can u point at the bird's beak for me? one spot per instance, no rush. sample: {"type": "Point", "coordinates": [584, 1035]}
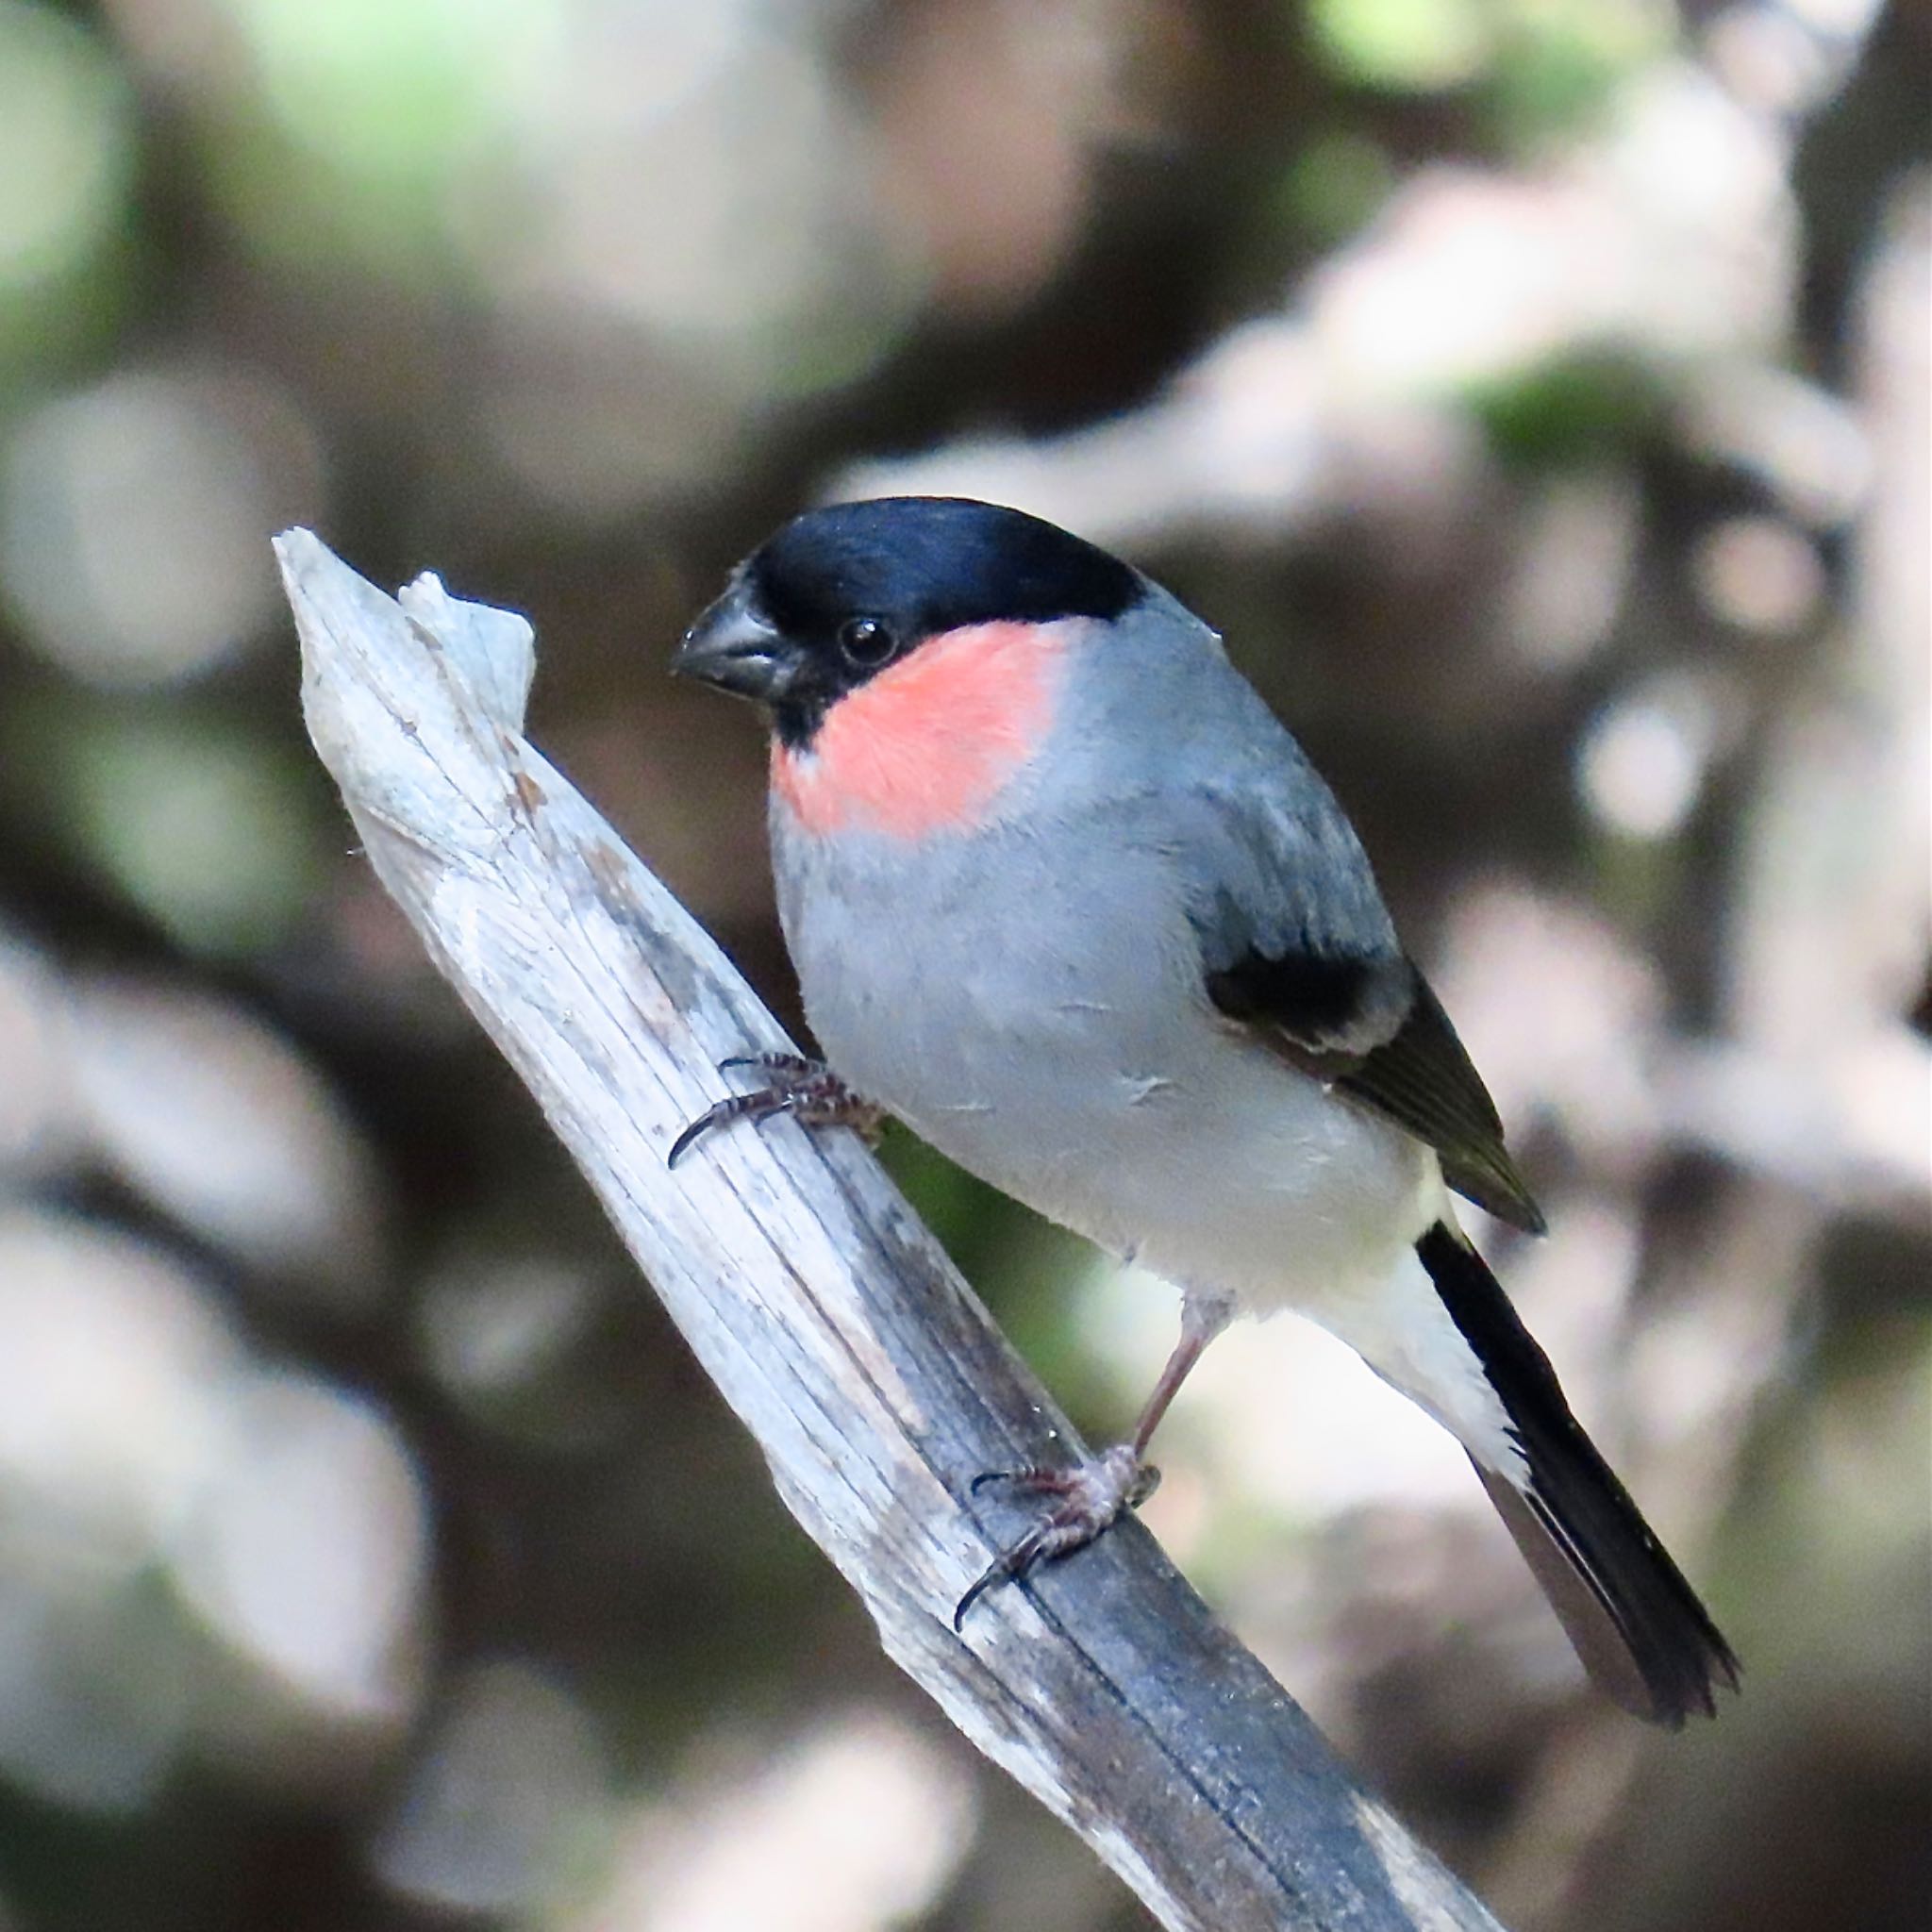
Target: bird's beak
{"type": "Point", "coordinates": [733, 647]}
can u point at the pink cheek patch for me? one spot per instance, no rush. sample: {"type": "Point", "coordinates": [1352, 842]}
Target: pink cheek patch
{"type": "Point", "coordinates": [927, 745]}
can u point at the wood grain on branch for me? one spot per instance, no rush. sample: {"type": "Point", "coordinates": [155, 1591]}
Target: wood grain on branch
{"type": "Point", "coordinates": [874, 1382]}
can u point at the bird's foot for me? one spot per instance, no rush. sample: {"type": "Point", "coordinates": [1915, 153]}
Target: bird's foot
{"type": "Point", "coordinates": [1086, 1501]}
{"type": "Point", "coordinates": [805, 1090]}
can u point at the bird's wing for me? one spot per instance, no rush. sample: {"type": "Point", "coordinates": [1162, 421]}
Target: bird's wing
{"type": "Point", "coordinates": [1422, 1078]}
{"type": "Point", "coordinates": [1297, 946]}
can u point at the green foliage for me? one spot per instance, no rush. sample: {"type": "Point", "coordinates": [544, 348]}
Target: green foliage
{"type": "Point", "coordinates": [67, 161]}
{"type": "Point", "coordinates": [206, 827]}
{"type": "Point", "coordinates": [1570, 409]}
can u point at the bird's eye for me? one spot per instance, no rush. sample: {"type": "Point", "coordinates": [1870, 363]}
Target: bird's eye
{"type": "Point", "coordinates": [867, 642]}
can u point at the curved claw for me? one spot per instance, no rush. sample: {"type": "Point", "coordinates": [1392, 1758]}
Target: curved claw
{"type": "Point", "coordinates": [713, 1116]}
{"type": "Point", "coordinates": [736, 1106]}
{"type": "Point", "coordinates": [809, 1092]}
{"type": "Point", "coordinates": [1092, 1496]}
{"type": "Point", "coordinates": [771, 1063]}
{"type": "Point", "coordinates": [1008, 1567]}
{"type": "Point", "coordinates": [987, 1476]}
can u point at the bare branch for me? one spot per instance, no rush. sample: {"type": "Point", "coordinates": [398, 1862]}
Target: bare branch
{"type": "Point", "coordinates": [874, 1382]}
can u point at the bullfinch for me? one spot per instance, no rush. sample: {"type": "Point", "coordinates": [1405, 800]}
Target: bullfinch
{"type": "Point", "coordinates": [1065, 898]}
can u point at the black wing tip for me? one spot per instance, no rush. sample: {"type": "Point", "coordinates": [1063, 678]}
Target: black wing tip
{"type": "Point", "coordinates": [1499, 1190]}
{"type": "Point", "coordinates": [1490, 1176]}
{"type": "Point", "coordinates": [1422, 1078]}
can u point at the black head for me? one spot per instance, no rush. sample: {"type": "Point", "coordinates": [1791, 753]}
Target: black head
{"type": "Point", "coordinates": [839, 593]}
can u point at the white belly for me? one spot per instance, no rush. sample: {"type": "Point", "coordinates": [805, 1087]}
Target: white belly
{"type": "Point", "coordinates": [1220, 1167]}
{"type": "Point", "coordinates": [1100, 1089]}
{"type": "Point", "coordinates": [1251, 1182]}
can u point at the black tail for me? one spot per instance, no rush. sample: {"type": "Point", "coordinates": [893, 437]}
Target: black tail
{"type": "Point", "coordinates": [1636, 1625]}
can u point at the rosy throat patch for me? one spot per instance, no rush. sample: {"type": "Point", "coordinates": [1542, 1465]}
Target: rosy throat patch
{"type": "Point", "coordinates": [929, 743]}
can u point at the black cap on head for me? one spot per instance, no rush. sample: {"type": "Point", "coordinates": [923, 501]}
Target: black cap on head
{"type": "Point", "coordinates": [840, 593]}
{"type": "Point", "coordinates": [932, 563]}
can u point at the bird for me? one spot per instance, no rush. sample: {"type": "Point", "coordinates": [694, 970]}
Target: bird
{"type": "Point", "coordinates": [1067, 899]}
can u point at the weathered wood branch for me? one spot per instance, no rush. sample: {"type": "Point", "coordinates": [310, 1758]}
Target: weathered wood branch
{"type": "Point", "coordinates": [839, 1333]}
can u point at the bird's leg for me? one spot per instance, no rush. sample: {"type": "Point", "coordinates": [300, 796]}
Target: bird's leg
{"type": "Point", "coordinates": [807, 1091]}
{"type": "Point", "coordinates": [1090, 1497]}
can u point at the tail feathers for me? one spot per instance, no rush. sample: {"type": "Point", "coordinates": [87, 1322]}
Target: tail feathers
{"type": "Point", "coordinates": [1638, 1627]}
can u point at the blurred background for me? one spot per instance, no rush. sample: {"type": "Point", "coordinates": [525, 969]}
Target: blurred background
{"type": "Point", "coordinates": [1535, 391]}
